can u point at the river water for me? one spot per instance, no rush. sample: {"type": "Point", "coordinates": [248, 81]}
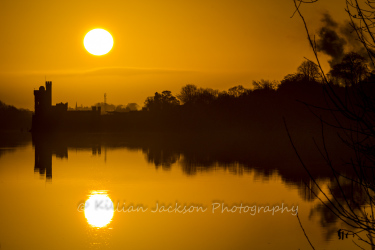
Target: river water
{"type": "Point", "coordinates": [131, 192]}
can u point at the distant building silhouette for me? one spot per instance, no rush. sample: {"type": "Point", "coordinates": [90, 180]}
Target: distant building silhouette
{"type": "Point", "coordinates": [49, 118]}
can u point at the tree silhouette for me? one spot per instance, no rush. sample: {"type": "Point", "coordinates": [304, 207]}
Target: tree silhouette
{"type": "Point", "coordinates": [352, 69]}
{"type": "Point", "coordinates": [192, 96]}
{"type": "Point", "coordinates": [161, 102]}
{"type": "Point", "coordinates": [13, 118]}
{"type": "Point", "coordinates": [265, 85]}
{"type": "Point", "coordinates": [237, 91]}
{"type": "Point", "coordinates": [188, 94]}
{"type": "Point", "coordinates": [309, 71]}
{"type": "Point", "coordinates": [353, 115]}
{"type": "Point", "coordinates": [129, 107]}
{"type": "Point", "coordinates": [362, 21]}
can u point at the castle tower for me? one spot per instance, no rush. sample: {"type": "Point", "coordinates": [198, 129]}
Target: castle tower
{"type": "Point", "coordinates": [43, 99]}
{"type": "Point", "coordinates": [49, 93]}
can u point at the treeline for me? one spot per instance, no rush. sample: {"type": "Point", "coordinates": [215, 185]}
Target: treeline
{"type": "Point", "coordinates": [14, 119]}
{"type": "Point", "coordinates": [267, 102]}
{"type": "Point", "coordinates": [236, 111]}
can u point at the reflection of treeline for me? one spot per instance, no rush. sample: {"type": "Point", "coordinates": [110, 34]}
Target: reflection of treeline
{"type": "Point", "coordinates": [13, 118]}
{"type": "Point", "coordinates": [195, 155]}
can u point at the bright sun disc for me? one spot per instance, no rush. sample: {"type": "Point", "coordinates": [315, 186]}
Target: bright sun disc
{"type": "Point", "coordinates": [98, 42]}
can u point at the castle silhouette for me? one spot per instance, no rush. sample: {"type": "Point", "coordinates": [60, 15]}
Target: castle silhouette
{"type": "Point", "coordinates": [49, 118]}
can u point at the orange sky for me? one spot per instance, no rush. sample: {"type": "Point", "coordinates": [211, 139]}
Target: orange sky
{"type": "Point", "coordinates": [158, 45]}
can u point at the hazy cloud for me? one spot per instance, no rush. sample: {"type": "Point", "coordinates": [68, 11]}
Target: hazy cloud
{"type": "Point", "coordinates": [335, 39]}
{"type": "Point", "coordinates": [114, 71]}
{"type": "Point", "coordinates": [329, 41]}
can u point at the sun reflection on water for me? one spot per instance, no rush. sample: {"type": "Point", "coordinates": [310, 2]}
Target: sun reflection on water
{"type": "Point", "coordinates": [99, 209]}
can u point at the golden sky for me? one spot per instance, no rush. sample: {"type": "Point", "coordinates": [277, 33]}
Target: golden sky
{"type": "Point", "coordinates": [158, 45]}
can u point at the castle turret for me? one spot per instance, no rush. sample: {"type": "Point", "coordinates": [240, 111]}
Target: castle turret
{"type": "Point", "coordinates": [43, 99]}
{"type": "Point", "coordinates": [49, 92]}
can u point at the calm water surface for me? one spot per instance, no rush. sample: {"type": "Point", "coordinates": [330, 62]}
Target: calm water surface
{"type": "Point", "coordinates": [42, 195]}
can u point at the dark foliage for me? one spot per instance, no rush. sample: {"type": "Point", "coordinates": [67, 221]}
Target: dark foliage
{"type": "Point", "coordinates": [13, 118]}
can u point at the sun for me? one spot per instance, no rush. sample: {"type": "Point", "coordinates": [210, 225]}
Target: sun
{"type": "Point", "coordinates": [98, 42]}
